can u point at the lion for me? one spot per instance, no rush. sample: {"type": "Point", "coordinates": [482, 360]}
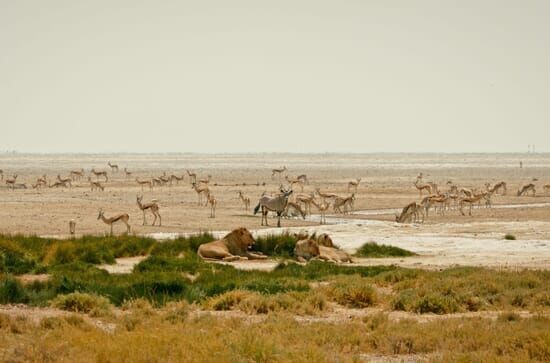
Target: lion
{"type": "Point", "coordinates": [322, 240]}
{"type": "Point", "coordinates": [309, 249]}
{"type": "Point", "coordinates": [306, 249]}
{"type": "Point", "coordinates": [234, 246]}
{"type": "Point", "coordinates": [332, 254]}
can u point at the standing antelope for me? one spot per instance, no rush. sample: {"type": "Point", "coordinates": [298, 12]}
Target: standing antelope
{"type": "Point", "coordinates": [306, 200]}
{"type": "Point", "coordinates": [114, 167]}
{"type": "Point", "coordinates": [201, 189]}
{"type": "Point", "coordinates": [95, 185]}
{"type": "Point", "coordinates": [278, 172]}
{"type": "Point", "coordinates": [275, 204]}
{"type": "Point", "coordinates": [295, 181]}
{"type": "Point", "coordinates": [192, 176]}
{"type": "Point", "coordinates": [546, 189]}
{"type": "Point", "coordinates": [422, 187]}
{"type": "Point", "coordinates": [1, 174]}
{"type": "Point", "coordinates": [72, 227]}
{"type": "Point", "coordinates": [325, 195]}
{"type": "Point", "coordinates": [471, 200]}
{"type": "Point", "coordinates": [76, 174]}
{"type": "Point", "coordinates": [354, 184]}
{"type": "Point", "coordinates": [176, 178]}
{"type": "Point", "coordinates": [303, 178]}
{"type": "Point", "coordinates": [211, 200]}
{"type": "Point", "coordinates": [526, 188]}
{"type": "Point", "coordinates": [100, 173]}
{"type": "Point", "coordinates": [127, 173]}
{"type": "Point", "coordinates": [245, 200]}
{"type": "Point", "coordinates": [205, 181]}
{"type": "Point", "coordinates": [124, 218]}
{"type": "Point", "coordinates": [153, 207]}
{"type": "Point", "coordinates": [11, 182]}
{"type": "Point", "coordinates": [323, 207]}
{"type": "Point", "coordinates": [66, 181]}
{"type": "Point", "coordinates": [343, 202]}
{"type": "Point", "coordinates": [410, 213]}
{"type": "Point", "coordinates": [149, 183]}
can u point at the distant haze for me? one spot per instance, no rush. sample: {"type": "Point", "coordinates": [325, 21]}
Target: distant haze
{"type": "Point", "coordinates": [274, 76]}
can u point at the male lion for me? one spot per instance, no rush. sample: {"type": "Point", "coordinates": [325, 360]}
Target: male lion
{"type": "Point", "coordinates": [234, 246]}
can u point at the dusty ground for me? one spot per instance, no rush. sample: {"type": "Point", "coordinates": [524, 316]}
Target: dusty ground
{"type": "Point", "coordinates": [387, 184]}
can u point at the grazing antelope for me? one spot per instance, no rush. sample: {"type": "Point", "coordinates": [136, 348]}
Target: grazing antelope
{"type": "Point", "coordinates": [76, 174]}
{"type": "Point", "coordinates": [11, 182]}
{"type": "Point", "coordinates": [100, 173]}
{"type": "Point", "coordinates": [156, 181]}
{"type": "Point", "coordinates": [124, 218]}
{"type": "Point", "coordinates": [201, 189]}
{"type": "Point", "coordinates": [192, 176]}
{"type": "Point", "coordinates": [354, 184]}
{"type": "Point", "coordinates": [65, 180]}
{"type": "Point", "coordinates": [306, 200]}
{"type": "Point", "coordinates": [323, 207]}
{"type": "Point", "coordinates": [245, 200]}
{"type": "Point", "coordinates": [526, 188]}
{"type": "Point", "coordinates": [153, 207]}
{"type": "Point", "coordinates": [72, 227]}
{"type": "Point", "coordinates": [422, 187]}
{"type": "Point", "coordinates": [496, 188]}
{"type": "Point", "coordinates": [95, 185]}
{"type": "Point", "coordinates": [295, 181]}
{"type": "Point", "coordinates": [274, 204]}
{"type": "Point", "coordinates": [57, 184]}
{"type": "Point", "coordinates": [471, 201]}
{"type": "Point", "coordinates": [343, 202]}
{"type": "Point", "coordinates": [293, 210]}
{"type": "Point", "coordinates": [1, 174]}
{"type": "Point", "coordinates": [114, 167]}
{"type": "Point", "coordinates": [149, 183]}
{"type": "Point", "coordinates": [546, 189]}
{"type": "Point", "coordinates": [211, 201]}
{"type": "Point", "coordinates": [303, 178]}
{"type": "Point", "coordinates": [468, 193]}
{"type": "Point", "coordinates": [410, 213]}
{"type": "Point", "coordinates": [278, 172]}
{"type": "Point", "coordinates": [127, 173]}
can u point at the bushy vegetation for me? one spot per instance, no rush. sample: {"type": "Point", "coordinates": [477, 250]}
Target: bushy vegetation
{"type": "Point", "coordinates": [82, 303]}
{"type": "Point", "coordinates": [509, 237]}
{"type": "Point", "coordinates": [374, 250]}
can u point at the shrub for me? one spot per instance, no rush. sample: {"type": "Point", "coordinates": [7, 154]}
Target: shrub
{"type": "Point", "coordinates": [82, 303]}
{"type": "Point", "coordinates": [437, 304]}
{"type": "Point", "coordinates": [352, 292]}
{"type": "Point", "coordinates": [276, 245]}
{"type": "Point", "coordinates": [374, 250]}
{"type": "Point", "coordinates": [11, 291]}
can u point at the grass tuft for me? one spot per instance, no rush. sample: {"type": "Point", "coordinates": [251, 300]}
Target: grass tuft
{"type": "Point", "coordinates": [374, 250]}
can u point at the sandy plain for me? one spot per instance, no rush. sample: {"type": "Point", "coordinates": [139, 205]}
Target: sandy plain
{"type": "Point", "coordinates": [386, 186]}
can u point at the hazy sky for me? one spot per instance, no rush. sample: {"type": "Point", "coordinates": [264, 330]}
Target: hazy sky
{"type": "Point", "coordinates": [245, 76]}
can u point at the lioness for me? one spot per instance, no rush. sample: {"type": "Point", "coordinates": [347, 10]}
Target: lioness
{"type": "Point", "coordinates": [234, 246]}
{"type": "Point", "coordinates": [309, 248]}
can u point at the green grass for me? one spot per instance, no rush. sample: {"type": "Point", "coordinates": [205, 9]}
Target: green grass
{"type": "Point", "coordinates": [510, 237]}
{"type": "Point", "coordinates": [374, 250]}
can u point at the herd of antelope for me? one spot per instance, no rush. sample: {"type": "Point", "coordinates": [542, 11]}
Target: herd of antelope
{"type": "Point", "coordinates": [455, 198]}
{"type": "Point", "coordinates": [290, 201]}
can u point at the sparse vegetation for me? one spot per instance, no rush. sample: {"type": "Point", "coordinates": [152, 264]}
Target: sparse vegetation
{"type": "Point", "coordinates": [374, 250]}
{"type": "Point", "coordinates": [510, 237]}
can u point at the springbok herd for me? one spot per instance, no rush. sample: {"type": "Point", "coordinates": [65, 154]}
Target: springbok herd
{"type": "Point", "coordinates": [288, 201]}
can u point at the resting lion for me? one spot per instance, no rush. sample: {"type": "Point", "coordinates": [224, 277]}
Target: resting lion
{"type": "Point", "coordinates": [234, 246]}
{"type": "Point", "coordinates": [308, 249]}
{"type": "Point", "coordinates": [322, 240]}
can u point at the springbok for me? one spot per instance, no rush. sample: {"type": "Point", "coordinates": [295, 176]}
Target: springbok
{"type": "Point", "coordinates": [95, 185]}
{"type": "Point", "coordinates": [72, 227]}
{"type": "Point", "coordinates": [275, 204]}
{"type": "Point", "coordinates": [343, 202]}
{"type": "Point", "coordinates": [1, 174]}
{"type": "Point", "coordinates": [303, 178]}
{"type": "Point", "coordinates": [100, 173]}
{"type": "Point", "coordinates": [323, 207]}
{"type": "Point", "coordinates": [410, 213]}
{"type": "Point", "coordinates": [306, 200]}
{"type": "Point", "coordinates": [127, 173]}
{"type": "Point", "coordinates": [354, 184]}
{"type": "Point", "coordinates": [65, 180]}
{"type": "Point", "coordinates": [546, 189]}
{"type": "Point", "coordinates": [153, 207]}
{"type": "Point", "coordinates": [325, 196]}
{"type": "Point", "coordinates": [295, 181]}
{"type": "Point", "coordinates": [471, 201]}
{"type": "Point", "coordinates": [201, 189]}
{"type": "Point", "coordinates": [293, 210]}
{"type": "Point", "coordinates": [124, 218]}
{"type": "Point", "coordinates": [422, 187]}
{"type": "Point", "coordinates": [11, 181]}
{"type": "Point", "coordinates": [211, 201]}
{"type": "Point", "coordinates": [245, 200]}
{"type": "Point", "coordinates": [192, 176]}
{"type": "Point", "coordinates": [205, 181]}
{"type": "Point", "coordinates": [527, 188]}
{"type": "Point", "coordinates": [176, 178]}
{"type": "Point", "coordinates": [144, 183]}
{"type": "Point", "coordinates": [114, 167]}
{"type": "Point", "coordinates": [76, 174]}
{"type": "Point", "coordinates": [278, 172]}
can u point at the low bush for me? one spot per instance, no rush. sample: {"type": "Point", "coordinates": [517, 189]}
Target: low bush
{"type": "Point", "coordinates": [351, 291]}
{"type": "Point", "coordinates": [374, 250]}
{"type": "Point", "coordinates": [82, 303]}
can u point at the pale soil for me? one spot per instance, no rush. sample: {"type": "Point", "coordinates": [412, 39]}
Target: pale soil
{"type": "Point", "coordinates": [387, 185]}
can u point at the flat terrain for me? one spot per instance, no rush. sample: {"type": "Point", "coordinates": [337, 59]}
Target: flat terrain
{"type": "Point", "coordinates": [386, 186]}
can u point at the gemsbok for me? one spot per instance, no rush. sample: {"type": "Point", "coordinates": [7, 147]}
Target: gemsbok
{"type": "Point", "coordinates": [274, 204]}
